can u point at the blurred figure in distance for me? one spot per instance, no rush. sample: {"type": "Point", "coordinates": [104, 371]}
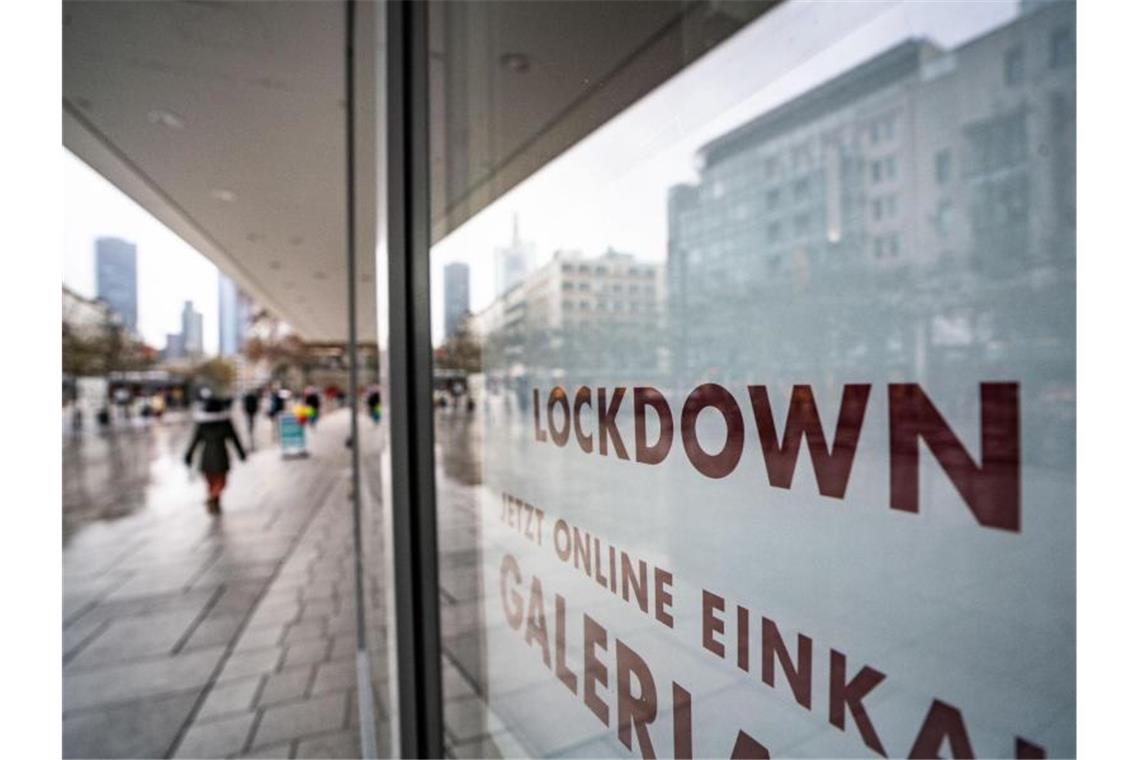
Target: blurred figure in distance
{"type": "Point", "coordinates": [213, 430]}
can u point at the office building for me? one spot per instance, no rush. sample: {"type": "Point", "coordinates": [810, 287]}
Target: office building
{"type": "Point", "coordinates": [191, 330]}
{"type": "Point", "coordinates": [233, 316]}
{"type": "Point", "coordinates": [116, 278]}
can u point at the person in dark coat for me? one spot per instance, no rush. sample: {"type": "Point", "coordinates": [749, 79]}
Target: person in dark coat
{"type": "Point", "coordinates": [213, 429]}
{"type": "Point", "coordinates": [313, 400]}
{"type": "Point", "coordinates": [250, 403]}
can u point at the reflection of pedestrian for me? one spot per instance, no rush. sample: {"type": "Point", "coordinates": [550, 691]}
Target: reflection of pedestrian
{"type": "Point", "coordinates": [250, 403]}
{"type": "Point", "coordinates": [313, 401]}
{"type": "Point", "coordinates": [276, 406]}
{"type": "Point", "coordinates": [373, 402]}
{"type": "Point", "coordinates": [213, 430]}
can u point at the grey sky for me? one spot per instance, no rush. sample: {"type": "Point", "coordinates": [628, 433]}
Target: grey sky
{"type": "Point", "coordinates": [169, 270]}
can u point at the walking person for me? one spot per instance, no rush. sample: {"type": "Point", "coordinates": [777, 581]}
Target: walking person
{"type": "Point", "coordinates": [313, 401]}
{"type": "Point", "coordinates": [276, 406]}
{"type": "Point", "coordinates": [213, 430]}
{"type": "Point", "coordinates": [250, 404]}
{"type": "Point", "coordinates": [373, 402]}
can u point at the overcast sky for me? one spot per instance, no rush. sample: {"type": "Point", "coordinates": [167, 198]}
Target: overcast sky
{"type": "Point", "coordinates": [169, 270]}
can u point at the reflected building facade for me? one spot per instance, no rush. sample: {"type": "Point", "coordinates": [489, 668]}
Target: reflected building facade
{"type": "Point", "coordinates": [940, 172]}
{"type": "Point", "coordinates": [600, 315]}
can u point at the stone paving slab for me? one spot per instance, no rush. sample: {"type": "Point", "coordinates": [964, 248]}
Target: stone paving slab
{"type": "Point", "coordinates": [189, 636]}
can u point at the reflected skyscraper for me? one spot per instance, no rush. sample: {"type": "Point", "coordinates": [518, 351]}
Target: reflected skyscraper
{"type": "Point", "coordinates": [116, 278]}
{"type": "Point", "coordinates": [456, 296]}
{"type": "Point", "coordinates": [513, 262]}
{"type": "Point", "coordinates": [191, 330]}
{"type": "Point", "coordinates": [233, 316]}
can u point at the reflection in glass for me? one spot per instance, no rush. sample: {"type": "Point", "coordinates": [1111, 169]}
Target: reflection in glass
{"type": "Point", "coordinates": [841, 206]}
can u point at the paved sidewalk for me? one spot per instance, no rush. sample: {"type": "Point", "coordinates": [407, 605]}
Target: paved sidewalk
{"type": "Point", "coordinates": [188, 636]}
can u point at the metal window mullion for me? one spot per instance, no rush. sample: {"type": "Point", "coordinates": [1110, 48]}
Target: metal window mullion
{"type": "Point", "coordinates": [413, 479]}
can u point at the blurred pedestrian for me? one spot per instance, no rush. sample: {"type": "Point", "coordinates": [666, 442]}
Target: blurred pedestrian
{"type": "Point", "coordinates": [276, 406]}
{"type": "Point", "coordinates": [158, 405]}
{"type": "Point", "coordinates": [373, 401]}
{"type": "Point", "coordinates": [213, 430]}
{"type": "Point", "coordinates": [250, 404]}
{"type": "Point", "coordinates": [313, 401]}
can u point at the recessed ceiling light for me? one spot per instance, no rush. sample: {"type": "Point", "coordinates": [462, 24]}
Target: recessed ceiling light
{"type": "Point", "coordinates": [165, 118]}
{"type": "Point", "coordinates": [516, 62]}
{"type": "Point", "coordinates": [222, 194]}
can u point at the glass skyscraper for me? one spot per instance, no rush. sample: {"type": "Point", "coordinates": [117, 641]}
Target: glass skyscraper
{"type": "Point", "coordinates": [116, 278]}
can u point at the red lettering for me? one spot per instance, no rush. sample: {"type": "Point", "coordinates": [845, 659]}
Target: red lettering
{"type": "Point", "coordinates": [607, 423]}
{"type": "Point", "coordinates": [536, 622]}
{"type": "Point", "coordinates": [991, 490]}
{"type": "Point", "coordinates": [514, 609]}
{"type": "Point", "coordinates": [634, 714]}
{"type": "Point", "coordinates": [799, 676]}
{"type": "Point", "coordinates": [565, 675]}
{"type": "Point", "coordinates": [558, 398]}
{"type": "Point", "coordinates": [539, 433]}
{"type": "Point", "coordinates": [644, 453]}
{"type": "Point", "coordinates": [848, 695]}
{"type": "Point", "coordinates": [594, 670]}
{"type": "Point", "coordinates": [662, 597]}
{"type": "Point", "coordinates": [582, 398]}
{"type": "Point", "coordinates": [943, 722]}
{"type": "Point", "coordinates": [720, 464]}
{"type": "Point", "coordinates": [747, 748]}
{"type": "Point", "coordinates": [832, 466]}
{"type": "Point", "coordinates": [682, 723]}
{"type": "Point", "coordinates": [711, 625]}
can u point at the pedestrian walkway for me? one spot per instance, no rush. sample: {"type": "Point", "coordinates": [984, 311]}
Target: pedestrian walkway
{"type": "Point", "coordinates": [190, 636]}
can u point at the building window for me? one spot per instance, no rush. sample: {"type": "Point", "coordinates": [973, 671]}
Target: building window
{"type": "Point", "coordinates": [877, 209]}
{"type": "Point", "coordinates": [1061, 50]}
{"type": "Point", "coordinates": [1014, 66]}
{"type": "Point", "coordinates": [774, 232]}
{"type": "Point", "coordinates": [876, 172]}
{"type": "Point", "coordinates": [802, 224]}
{"type": "Point", "coordinates": [889, 167]}
{"type": "Point", "coordinates": [944, 218]}
{"type": "Point", "coordinates": [800, 189]}
{"type": "Point", "coordinates": [942, 166]}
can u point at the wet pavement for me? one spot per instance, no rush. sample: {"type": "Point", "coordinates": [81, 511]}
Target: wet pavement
{"type": "Point", "coordinates": [187, 635]}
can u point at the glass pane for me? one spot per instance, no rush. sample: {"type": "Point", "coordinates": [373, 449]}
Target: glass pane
{"type": "Point", "coordinates": [755, 378]}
